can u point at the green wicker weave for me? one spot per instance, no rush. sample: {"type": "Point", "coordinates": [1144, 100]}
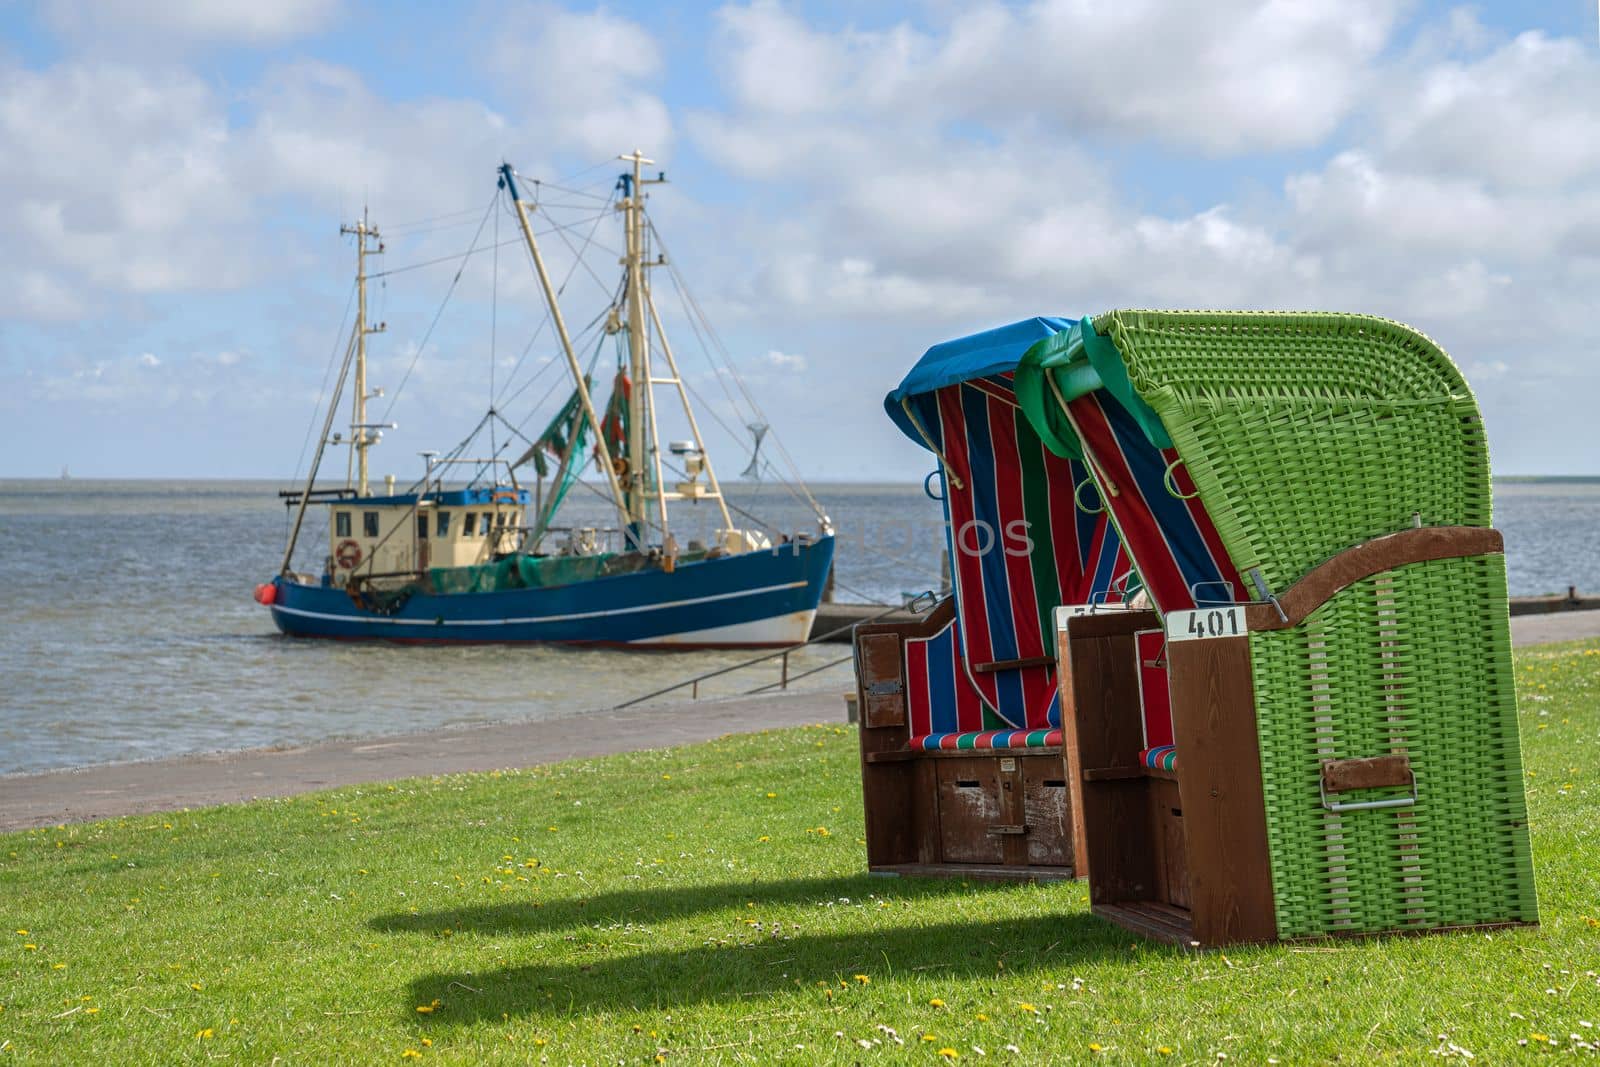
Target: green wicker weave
{"type": "Point", "coordinates": [1270, 410]}
{"type": "Point", "coordinates": [1307, 434]}
{"type": "Point", "coordinates": [1415, 660]}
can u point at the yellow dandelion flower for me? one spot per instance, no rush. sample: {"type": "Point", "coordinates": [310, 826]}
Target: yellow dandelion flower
{"type": "Point", "coordinates": [91, 1011]}
{"type": "Point", "coordinates": [425, 1009]}
{"type": "Point", "coordinates": [981, 1017]}
{"type": "Point", "coordinates": [1095, 1046]}
{"type": "Point", "coordinates": [935, 1003]}
{"type": "Point", "coordinates": [411, 1054]}
{"type": "Point", "coordinates": [1164, 1050]}
{"type": "Point", "coordinates": [771, 795]}
{"type": "Point", "coordinates": [30, 947]}
{"type": "Point", "coordinates": [949, 1053]}
{"type": "Point", "coordinates": [201, 1035]}
{"type": "Point", "coordinates": [764, 837]}
{"type": "Point", "coordinates": [929, 1037]}
{"type": "Point", "coordinates": [863, 979]}
{"type": "Point", "coordinates": [196, 986]}
{"type": "Point", "coordinates": [58, 966]}
{"type": "Point", "coordinates": [1029, 1008]}
{"type": "Point", "coordinates": [22, 933]}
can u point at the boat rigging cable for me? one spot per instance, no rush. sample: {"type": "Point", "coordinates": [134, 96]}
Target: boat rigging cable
{"type": "Point", "coordinates": [395, 396]}
{"type": "Point", "coordinates": [696, 313]}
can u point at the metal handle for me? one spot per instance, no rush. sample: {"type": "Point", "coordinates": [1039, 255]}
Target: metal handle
{"type": "Point", "coordinates": [1077, 497]}
{"type": "Point", "coordinates": [1172, 486]}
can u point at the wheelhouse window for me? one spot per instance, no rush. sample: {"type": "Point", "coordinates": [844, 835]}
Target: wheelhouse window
{"type": "Point", "coordinates": [469, 524]}
{"type": "Point", "coordinates": [341, 524]}
{"type": "Point", "coordinates": [441, 527]}
{"type": "Point", "coordinates": [422, 525]}
{"type": "Point", "coordinates": [500, 519]}
{"type": "Point", "coordinates": [369, 523]}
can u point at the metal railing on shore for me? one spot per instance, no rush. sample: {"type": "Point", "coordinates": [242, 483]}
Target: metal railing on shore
{"type": "Point", "coordinates": [693, 684]}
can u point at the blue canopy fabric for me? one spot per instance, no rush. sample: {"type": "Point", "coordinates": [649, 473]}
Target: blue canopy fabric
{"type": "Point", "coordinates": [966, 358]}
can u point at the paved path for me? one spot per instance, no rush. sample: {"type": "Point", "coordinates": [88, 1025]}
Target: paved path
{"type": "Point", "coordinates": [110, 790]}
{"type": "Point", "coordinates": [195, 781]}
{"type": "Point", "coordinates": [1556, 626]}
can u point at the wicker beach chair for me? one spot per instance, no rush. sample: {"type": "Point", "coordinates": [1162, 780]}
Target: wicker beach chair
{"type": "Point", "coordinates": [961, 722]}
{"type": "Point", "coordinates": [1307, 500]}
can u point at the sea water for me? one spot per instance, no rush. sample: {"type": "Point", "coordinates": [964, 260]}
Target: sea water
{"type": "Point", "coordinates": [130, 633]}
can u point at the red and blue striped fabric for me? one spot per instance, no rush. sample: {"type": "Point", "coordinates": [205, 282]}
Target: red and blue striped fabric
{"type": "Point", "coordinates": [1019, 548]}
{"type": "Point", "coordinates": [1172, 541]}
{"type": "Point", "coordinates": [940, 699]}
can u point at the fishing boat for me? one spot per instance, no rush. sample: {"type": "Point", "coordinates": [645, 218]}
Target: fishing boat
{"type": "Point", "coordinates": [471, 551]}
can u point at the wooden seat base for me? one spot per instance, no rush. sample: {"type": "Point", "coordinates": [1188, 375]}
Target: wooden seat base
{"type": "Point", "coordinates": [978, 871]}
{"type": "Point", "coordinates": [1149, 918]}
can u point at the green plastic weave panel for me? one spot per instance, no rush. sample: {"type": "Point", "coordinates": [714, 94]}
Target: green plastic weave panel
{"type": "Point", "coordinates": [1414, 660]}
{"type": "Point", "coordinates": [1308, 433]}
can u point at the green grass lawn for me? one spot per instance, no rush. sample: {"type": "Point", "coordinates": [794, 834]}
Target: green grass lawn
{"type": "Point", "coordinates": [708, 905]}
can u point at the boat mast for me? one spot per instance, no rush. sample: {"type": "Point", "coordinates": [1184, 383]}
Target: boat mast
{"type": "Point", "coordinates": [361, 436]}
{"type": "Point", "coordinates": [508, 181]}
{"type": "Point", "coordinates": [632, 207]}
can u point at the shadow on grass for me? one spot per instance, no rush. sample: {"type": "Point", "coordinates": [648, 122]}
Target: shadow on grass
{"type": "Point", "coordinates": [765, 966]}
{"type": "Point", "coordinates": [606, 967]}
{"type": "Point", "coordinates": [647, 906]}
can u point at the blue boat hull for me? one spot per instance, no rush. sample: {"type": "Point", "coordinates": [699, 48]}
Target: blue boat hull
{"type": "Point", "coordinates": [751, 600]}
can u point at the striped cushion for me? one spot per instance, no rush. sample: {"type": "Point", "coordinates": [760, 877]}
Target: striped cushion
{"type": "Point", "coordinates": [1160, 758]}
{"type": "Point", "coordinates": [986, 739]}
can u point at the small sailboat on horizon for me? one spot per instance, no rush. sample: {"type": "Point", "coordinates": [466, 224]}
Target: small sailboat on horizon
{"type": "Point", "coordinates": [458, 557]}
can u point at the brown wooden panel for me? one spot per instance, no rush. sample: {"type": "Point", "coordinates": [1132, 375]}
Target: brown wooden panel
{"type": "Point", "coordinates": [1166, 825]}
{"type": "Point", "coordinates": [881, 680]}
{"type": "Point", "coordinates": [1045, 810]}
{"type": "Point", "coordinates": [1318, 585]}
{"type": "Point", "coordinates": [1112, 623]}
{"type": "Point", "coordinates": [969, 806]}
{"type": "Point", "coordinates": [1219, 783]}
{"type": "Point", "coordinates": [1100, 725]}
{"type": "Point", "coordinates": [1341, 775]}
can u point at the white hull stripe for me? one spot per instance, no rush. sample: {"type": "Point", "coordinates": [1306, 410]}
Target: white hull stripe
{"type": "Point", "coordinates": [539, 618]}
{"type": "Point", "coordinates": [790, 629]}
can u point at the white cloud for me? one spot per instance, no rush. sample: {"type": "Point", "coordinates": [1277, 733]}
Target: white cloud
{"type": "Point", "coordinates": [1220, 77]}
{"type": "Point", "coordinates": [178, 23]}
{"type": "Point", "coordinates": [149, 359]}
{"type": "Point", "coordinates": [112, 178]}
{"type": "Point", "coordinates": [1522, 116]}
{"type": "Point", "coordinates": [584, 74]}
{"type": "Point", "coordinates": [784, 361]}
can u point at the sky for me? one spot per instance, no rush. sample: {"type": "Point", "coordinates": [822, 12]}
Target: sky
{"type": "Point", "coordinates": [849, 184]}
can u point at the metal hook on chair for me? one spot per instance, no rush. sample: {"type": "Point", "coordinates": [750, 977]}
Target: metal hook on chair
{"type": "Point", "coordinates": [1172, 486]}
{"type": "Point", "coordinates": [1077, 497]}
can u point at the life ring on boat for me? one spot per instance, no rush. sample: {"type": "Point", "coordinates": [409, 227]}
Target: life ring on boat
{"type": "Point", "coordinates": [347, 555]}
{"type": "Point", "coordinates": [503, 496]}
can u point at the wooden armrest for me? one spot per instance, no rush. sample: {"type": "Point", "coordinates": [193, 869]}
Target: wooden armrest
{"type": "Point", "coordinates": [1014, 664]}
{"type": "Point", "coordinates": [1319, 585]}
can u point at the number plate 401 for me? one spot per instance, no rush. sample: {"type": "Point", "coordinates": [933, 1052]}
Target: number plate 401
{"type": "Point", "coordinates": [1206, 622]}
